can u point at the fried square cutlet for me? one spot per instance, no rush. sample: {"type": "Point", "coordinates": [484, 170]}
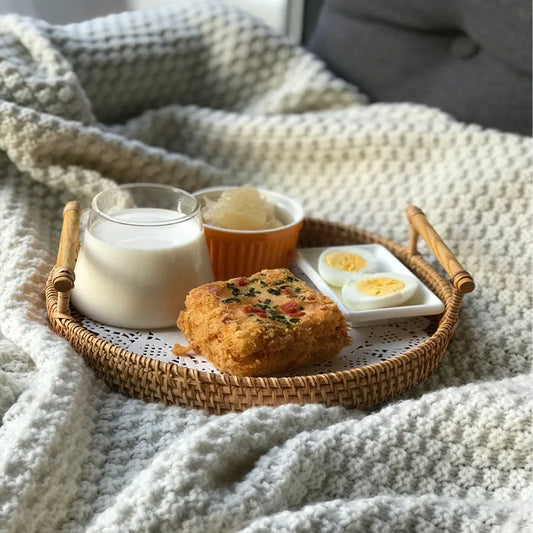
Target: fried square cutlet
{"type": "Point", "coordinates": [261, 325]}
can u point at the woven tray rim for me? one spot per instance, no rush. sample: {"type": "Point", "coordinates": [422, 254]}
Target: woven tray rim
{"type": "Point", "coordinates": [423, 358]}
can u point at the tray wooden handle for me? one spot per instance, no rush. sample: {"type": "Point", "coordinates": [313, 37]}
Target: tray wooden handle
{"type": "Point", "coordinates": [63, 279]}
{"type": "Point", "coordinates": [460, 279]}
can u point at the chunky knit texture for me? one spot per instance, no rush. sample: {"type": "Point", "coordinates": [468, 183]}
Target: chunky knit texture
{"type": "Point", "coordinates": [199, 94]}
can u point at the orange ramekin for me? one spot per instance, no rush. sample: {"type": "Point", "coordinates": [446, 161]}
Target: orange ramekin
{"type": "Point", "coordinates": [236, 253]}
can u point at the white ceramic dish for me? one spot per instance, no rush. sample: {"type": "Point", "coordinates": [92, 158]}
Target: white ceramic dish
{"type": "Point", "coordinates": [422, 303]}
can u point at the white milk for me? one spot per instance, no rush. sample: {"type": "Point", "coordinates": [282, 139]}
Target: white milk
{"type": "Point", "coordinates": [138, 276]}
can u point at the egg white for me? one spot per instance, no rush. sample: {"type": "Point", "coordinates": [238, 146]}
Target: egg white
{"type": "Point", "coordinates": [337, 277]}
{"type": "Point", "coordinates": [356, 300]}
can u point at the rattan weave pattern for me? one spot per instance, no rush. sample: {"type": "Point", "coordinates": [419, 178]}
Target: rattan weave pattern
{"type": "Point", "coordinates": [156, 381]}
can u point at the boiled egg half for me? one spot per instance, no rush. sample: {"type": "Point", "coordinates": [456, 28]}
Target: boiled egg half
{"type": "Point", "coordinates": [375, 291]}
{"type": "Point", "coordinates": [339, 265]}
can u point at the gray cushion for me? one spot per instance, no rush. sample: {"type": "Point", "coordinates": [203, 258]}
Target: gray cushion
{"type": "Point", "coordinates": [471, 58]}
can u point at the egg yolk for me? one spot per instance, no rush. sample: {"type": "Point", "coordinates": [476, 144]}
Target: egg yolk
{"type": "Point", "coordinates": [379, 286]}
{"type": "Point", "coordinates": [345, 261]}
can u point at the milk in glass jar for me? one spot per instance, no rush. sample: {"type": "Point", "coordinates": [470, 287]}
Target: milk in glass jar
{"type": "Point", "coordinates": [142, 251]}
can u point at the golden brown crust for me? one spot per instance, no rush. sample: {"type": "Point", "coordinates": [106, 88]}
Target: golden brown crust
{"type": "Point", "coordinates": [262, 325]}
{"type": "Point", "coordinates": [179, 349]}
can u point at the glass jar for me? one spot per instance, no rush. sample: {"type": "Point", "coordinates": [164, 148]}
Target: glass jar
{"type": "Point", "coordinates": [143, 249]}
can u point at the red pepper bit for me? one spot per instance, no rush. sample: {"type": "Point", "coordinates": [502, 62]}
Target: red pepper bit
{"type": "Point", "coordinates": [254, 309]}
{"type": "Point", "coordinates": [291, 308]}
{"type": "Point", "coordinates": [241, 282]}
{"type": "Point", "coordinates": [286, 291]}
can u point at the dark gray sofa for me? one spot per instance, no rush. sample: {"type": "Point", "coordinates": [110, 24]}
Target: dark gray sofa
{"type": "Point", "coordinates": [470, 58]}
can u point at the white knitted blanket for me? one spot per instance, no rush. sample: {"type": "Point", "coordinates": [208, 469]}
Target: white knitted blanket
{"type": "Point", "coordinates": [199, 94]}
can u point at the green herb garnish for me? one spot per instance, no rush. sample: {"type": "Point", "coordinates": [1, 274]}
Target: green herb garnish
{"type": "Point", "coordinates": [274, 315]}
{"type": "Point", "coordinates": [251, 292]}
{"type": "Point", "coordinates": [231, 300]}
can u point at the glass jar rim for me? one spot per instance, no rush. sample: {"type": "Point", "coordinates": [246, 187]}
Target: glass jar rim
{"type": "Point", "coordinates": [179, 217]}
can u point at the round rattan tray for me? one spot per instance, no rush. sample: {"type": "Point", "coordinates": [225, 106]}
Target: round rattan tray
{"type": "Point", "coordinates": [152, 380]}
